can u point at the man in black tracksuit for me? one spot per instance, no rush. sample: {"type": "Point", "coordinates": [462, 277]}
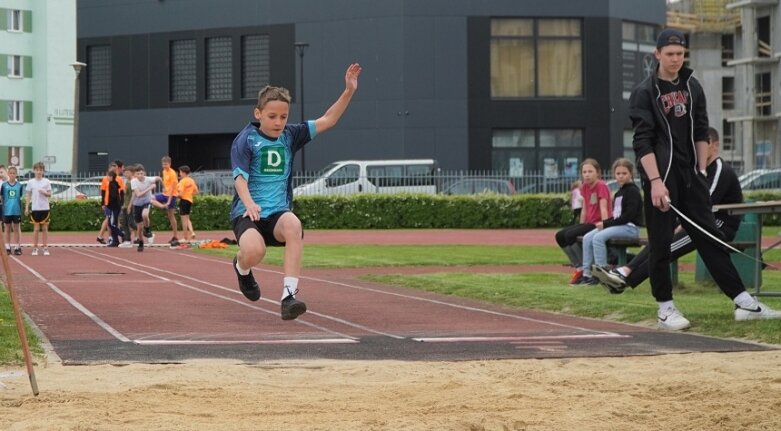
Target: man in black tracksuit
{"type": "Point", "coordinates": [724, 189]}
{"type": "Point", "coordinates": [670, 121]}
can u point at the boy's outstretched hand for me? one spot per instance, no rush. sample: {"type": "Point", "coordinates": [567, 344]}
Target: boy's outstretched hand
{"type": "Point", "coordinates": [351, 77]}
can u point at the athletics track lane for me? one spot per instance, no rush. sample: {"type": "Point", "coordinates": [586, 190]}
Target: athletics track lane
{"type": "Point", "coordinates": [96, 304]}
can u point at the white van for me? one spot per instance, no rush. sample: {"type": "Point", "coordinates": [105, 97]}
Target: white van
{"type": "Point", "coordinates": [373, 176]}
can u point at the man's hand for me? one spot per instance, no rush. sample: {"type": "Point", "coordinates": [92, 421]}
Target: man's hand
{"type": "Point", "coordinates": [660, 197]}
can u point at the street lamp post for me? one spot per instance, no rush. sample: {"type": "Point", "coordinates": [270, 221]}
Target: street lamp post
{"type": "Point", "coordinates": [77, 66]}
{"type": "Point", "coordinates": [300, 48]}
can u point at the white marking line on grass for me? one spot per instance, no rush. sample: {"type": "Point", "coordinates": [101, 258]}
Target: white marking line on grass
{"type": "Point", "coordinates": [77, 305]}
{"type": "Point", "coordinates": [88, 245]}
{"type": "Point", "coordinates": [240, 302]}
{"type": "Point", "coordinates": [434, 301]}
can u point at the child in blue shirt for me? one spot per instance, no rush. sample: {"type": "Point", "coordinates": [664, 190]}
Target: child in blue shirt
{"type": "Point", "coordinates": [262, 161]}
{"type": "Point", "coordinates": [12, 192]}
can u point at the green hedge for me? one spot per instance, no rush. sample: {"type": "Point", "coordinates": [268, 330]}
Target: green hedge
{"type": "Point", "coordinates": [367, 211]}
{"type": "Point", "coordinates": [374, 211]}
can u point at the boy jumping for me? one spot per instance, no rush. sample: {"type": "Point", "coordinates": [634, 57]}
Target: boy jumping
{"type": "Point", "coordinates": [262, 161]}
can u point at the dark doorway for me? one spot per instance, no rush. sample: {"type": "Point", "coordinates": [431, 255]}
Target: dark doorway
{"type": "Point", "coordinates": [201, 152]}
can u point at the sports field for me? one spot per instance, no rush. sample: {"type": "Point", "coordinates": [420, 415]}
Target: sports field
{"type": "Point", "coordinates": [663, 389]}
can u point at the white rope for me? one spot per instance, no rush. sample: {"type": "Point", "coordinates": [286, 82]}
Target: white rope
{"type": "Point", "coordinates": [713, 237]}
{"type": "Point", "coordinates": [708, 234]}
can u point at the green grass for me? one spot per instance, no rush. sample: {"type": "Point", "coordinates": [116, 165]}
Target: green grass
{"type": "Point", "coordinates": [357, 256]}
{"type": "Point", "coordinates": [10, 347]}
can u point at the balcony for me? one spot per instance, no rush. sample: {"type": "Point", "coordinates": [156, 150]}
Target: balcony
{"type": "Point", "coordinates": [751, 3]}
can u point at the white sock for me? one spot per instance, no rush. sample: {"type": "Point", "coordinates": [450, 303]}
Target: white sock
{"type": "Point", "coordinates": [241, 271]}
{"type": "Point", "coordinates": [745, 300]}
{"type": "Point", "coordinates": [289, 287]}
{"type": "Point", "coordinates": [666, 306]}
{"type": "Point", "coordinates": [622, 271]}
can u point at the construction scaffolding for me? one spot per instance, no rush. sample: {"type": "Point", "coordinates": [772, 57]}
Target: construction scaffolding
{"type": "Point", "coordinates": [702, 16]}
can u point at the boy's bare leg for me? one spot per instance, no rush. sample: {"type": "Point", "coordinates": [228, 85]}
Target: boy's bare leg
{"type": "Point", "coordinates": [172, 221]}
{"type": "Point", "coordinates": [252, 249]}
{"type": "Point", "coordinates": [288, 230]}
{"type": "Point", "coordinates": [103, 229]}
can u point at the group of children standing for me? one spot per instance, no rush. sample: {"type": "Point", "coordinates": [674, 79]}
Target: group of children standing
{"type": "Point", "coordinates": [126, 203]}
{"type": "Point", "coordinates": [36, 195]}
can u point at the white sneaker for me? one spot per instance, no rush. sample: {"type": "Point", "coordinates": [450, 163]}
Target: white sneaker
{"type": "Point", "coordinates": [672, 320]}
{"type": "Point", "coordinates": [126, 244]}
{"type": "Point", "coordinates": [761, 312]}
{"type": "Point", "coordinates": [35, 252]}
{"type": "Point", "coordinates": [46, 252]}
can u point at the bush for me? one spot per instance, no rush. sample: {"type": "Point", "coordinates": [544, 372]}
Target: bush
{"type": "Point", "coordinates": [363, 211]}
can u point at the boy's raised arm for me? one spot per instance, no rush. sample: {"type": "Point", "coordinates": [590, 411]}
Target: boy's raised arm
{"type": "Point", "coordinates": [334, 113]}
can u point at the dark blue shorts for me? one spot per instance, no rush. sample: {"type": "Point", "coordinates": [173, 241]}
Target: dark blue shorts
{"type": "Point", "coordinates": [163, 199]}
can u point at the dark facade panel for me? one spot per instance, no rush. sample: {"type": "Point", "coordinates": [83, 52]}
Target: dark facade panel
{"type": "Point", "coordinates": [141, 66]}
{"type": "Point", "coordinates": [425, 89]}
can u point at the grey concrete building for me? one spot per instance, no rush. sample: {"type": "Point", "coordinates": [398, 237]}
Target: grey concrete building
{"type": "Point", "coordinates": [494, 84]}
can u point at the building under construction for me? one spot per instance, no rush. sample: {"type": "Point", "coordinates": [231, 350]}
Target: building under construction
{"type": "Point", "coordinates": [732, 52]}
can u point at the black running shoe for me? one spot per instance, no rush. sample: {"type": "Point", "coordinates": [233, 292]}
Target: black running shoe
{"type": "Point", "coordinates": [611, 279]}
{"type": "Point", "coordinates": [140, 246]}
{"type": "Point", "coordinates": [8, 250]}
{"type": "Point", "coordinates": [100, 240]}
{"type": "Point", "coordinates": [18, 251]}
{"type": "Point", "coordinates": [148, 232]}
{"type": "Point", "coordinates": [292, 308]}
{"type": "Point", "coordinates": [247, 284]}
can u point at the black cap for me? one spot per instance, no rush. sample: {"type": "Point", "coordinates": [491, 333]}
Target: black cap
{"type": "Point", "coordinates": [670, 37]}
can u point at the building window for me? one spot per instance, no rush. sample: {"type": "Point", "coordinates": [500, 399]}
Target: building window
{"type": "Point", "coordinates": [98, 75]}
{"type": "Point", "coordinates": [15, 112]}
{"type": "Point", "coordinates": [219, 75]}
{"type": "Point", "coordinates": [727, 136]}
{"type": "Point", "coordinates": [255, 65]}
{"type": "Point", "coordinates": [183, 70]}
{"type": "Point", "coordinates": [629, 149]}
{"type": "Point", "coordinates": [536, 58]}
{"type": "Point", "coordinates": [15, 66]}
{"type": "Point", "coordinates": [728, 92]}
{"type": "Point", "coordinates": [637, 54]}
{"type": "Point", "coordinates": [763, 37]}
{"type": "Point", "coordinates": [548, 152]}
{"type": "Point", "coordinates": [14, 20]}
{"type": "Point", "coordinates": [764, 100]}
{"type": "Point", "coordinates": [727, 48]}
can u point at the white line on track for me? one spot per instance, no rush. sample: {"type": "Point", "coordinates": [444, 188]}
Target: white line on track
{"type": "Point", "coordinates": [430, 300]}
{"type": "Point", "coordinates": [205, 292]}
{"type": "Point", "coordinates": [112, 260]}
{"type": "Point", "coordinates": [77, 305]}
{"type": "Point", "coordinates": [219, 342]}
{"type": "Point", "coordinates": [520, 339]}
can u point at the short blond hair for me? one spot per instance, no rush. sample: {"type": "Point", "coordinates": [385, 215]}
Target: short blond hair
{"type": "Point", "coordinates": [269, 94]}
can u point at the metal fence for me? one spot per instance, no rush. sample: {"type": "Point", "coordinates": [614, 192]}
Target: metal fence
{"type": "Point", "coordinates": [220, 182]}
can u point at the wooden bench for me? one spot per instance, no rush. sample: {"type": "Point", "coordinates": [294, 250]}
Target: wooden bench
{"type": "Point", "coordinates": [620, 244]}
